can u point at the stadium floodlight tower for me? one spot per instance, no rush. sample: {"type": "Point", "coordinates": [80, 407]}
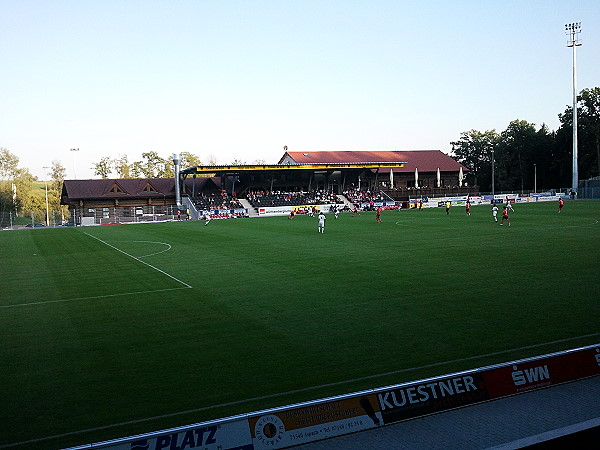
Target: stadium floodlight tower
{"type": "Point", "coordinates": [573, 30]}
{"type": "Point", "coordinates": [177, 163]}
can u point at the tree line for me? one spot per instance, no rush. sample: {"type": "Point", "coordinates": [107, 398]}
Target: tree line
{"type": "Point", "coordinates": [152, 165]}
{"type": "Point", "coordinates": [522, 154]}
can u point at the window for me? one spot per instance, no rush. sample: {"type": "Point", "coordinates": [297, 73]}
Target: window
{"type": "Point", "coordinates": [116, 189]}
{"type": "Point", "coordinates": [148, 188]}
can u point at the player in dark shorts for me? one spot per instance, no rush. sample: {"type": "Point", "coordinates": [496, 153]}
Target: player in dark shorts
{"type": "Point", "coordinates": [378, 216]}
{"type": "Point", "coordinates": [505, 216]}
{"type": "Point", "coordinates": [561, 203]}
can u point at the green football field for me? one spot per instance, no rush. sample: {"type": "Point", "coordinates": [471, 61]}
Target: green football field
{"type": "Point", "coordinates": [115, 330]}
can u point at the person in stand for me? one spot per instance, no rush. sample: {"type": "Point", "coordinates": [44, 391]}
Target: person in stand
{"type": "Point", "coordinates": [561, 203]}
{"type": "Point", "coordinates": [505, 216]}
{"type": "Point", "coordinates": [322, 219]}
{"type": "Point", "coordinates": [447, 208]}
{"type": "Point", "coordinates": [495, 213]}
{"type": "Point", "coordinates": [378, 216]}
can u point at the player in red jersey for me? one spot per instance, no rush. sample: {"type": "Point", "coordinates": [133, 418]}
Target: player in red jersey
{"type": "Point", "coordinates": [505, 216]}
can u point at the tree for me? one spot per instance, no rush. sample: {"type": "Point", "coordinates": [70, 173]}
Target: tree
{"type": "Point", "coordinates": [15, 185]}
{"type": "Point", "coordinates": [58, 174]}
{"type": "Point", "coordinates": [588, 115]}
{"type": "Point", "coordinates": [122, 167]}
{"type": "Point", "coordinates": [474, 150]}
{"type": "Point", "coordinates": [514, 155]}
{"type": "Point", "coordinates": [588, 133]}
{"type": "Point", "coordinates": [103, 168]}
{"type": "Point", "coordinates": [152, 166]}
{"type": "Point", "coordinates": [8, 164]}
{"type": "Point", "coordinates": [189, 160]}
{"type": "Point", "coordinates": [588, 138]}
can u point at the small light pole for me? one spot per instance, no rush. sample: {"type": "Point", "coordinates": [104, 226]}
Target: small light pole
{"type": "Point", "coordinates": [47, 211]}
{"type": "Point", "coordinates": [573, 30]}
{"type": "Point", "coordinates": [74, 150]}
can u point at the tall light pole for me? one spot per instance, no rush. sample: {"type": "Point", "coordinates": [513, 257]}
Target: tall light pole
{"type": "Point", "coordinates": [493, 172]}
{"type": "Point", "coordinates": [47, 211]}
{"type": "Point", "coordinates": [75, 162]}
{"type": "Point", "coordinates": [535, 178]}
{"type": "Point", "coordinates": [573, 30]}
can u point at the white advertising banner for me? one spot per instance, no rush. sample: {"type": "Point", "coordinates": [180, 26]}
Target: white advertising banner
{"type": "Point", "coordinates": [233, 435]}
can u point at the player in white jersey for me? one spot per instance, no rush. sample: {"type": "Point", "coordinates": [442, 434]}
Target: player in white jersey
{"type": "Point", "coordinates": [495, 213]}
{"type": "Point", "coordinates": [322, 219]}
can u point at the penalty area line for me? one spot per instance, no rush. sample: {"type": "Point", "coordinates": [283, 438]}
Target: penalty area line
{"type": "Point", "coordinates": [139, 260]}
{"type": "Point", "coordinates": [295, 391]}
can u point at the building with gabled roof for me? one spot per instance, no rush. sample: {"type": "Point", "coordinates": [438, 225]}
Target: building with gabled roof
{"type": "Point", "coordinates": [425, 162]}
{"type": "Point", "coordinates": [132, 196]}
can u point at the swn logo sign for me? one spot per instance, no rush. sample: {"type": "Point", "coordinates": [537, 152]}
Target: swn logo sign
{"type": "Point", "coordinates": [531, 375]}
{"type": "Point", "coordinates": [197, 437]}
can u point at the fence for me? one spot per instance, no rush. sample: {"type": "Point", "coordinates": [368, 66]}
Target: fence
{"type": "Point", "coordinates": [31, 219]}
{"type": "Point", "coordinates": [88, 216]}
{"type": "Point", "coordinates": [120, 214]}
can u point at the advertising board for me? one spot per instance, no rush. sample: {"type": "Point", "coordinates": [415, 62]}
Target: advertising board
{"type": "Point", "coordinates": [521, 377]}
{"type": "Point", "coordinates": [292, 425]}
{"type": "Point", "coordinates": [226, 435]}
{"type": "Point", "coordinates": [416, 399]}
{"type": "Point", "coordinates": [315, 422]}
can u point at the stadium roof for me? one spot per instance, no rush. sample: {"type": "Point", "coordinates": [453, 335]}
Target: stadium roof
{"type": "Point", "coordinates": [338, 165]}
{"type": "Point", "coordinates": [423, 160]}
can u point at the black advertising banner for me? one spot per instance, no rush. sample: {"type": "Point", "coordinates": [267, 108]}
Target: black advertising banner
{"type": "Point", "coordinates": [425, 397]}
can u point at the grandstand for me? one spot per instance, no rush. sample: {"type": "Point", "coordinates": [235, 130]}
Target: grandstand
{"type": "Point", "coordinates": [315, 178]}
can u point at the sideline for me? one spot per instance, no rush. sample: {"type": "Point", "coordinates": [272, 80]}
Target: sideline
{"type": "Point", "coordinates": [280, 394]}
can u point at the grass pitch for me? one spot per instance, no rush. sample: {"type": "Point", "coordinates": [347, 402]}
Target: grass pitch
{"type": "Point", "coordinates": [111, 331]}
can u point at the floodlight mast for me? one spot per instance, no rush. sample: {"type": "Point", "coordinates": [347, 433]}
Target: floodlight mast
{"type": "Point", "coordinates": [573, 30]}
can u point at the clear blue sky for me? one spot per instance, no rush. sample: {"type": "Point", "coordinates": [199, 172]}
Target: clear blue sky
{"type": "Point", "coordinates": [241, 79]}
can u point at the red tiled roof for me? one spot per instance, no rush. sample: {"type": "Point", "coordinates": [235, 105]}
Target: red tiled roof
{"type": "Point", "coordinates": [423, 160]}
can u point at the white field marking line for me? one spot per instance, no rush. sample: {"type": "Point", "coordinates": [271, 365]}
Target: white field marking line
{"type": "Point", "coordinates": [90, 298]}
{"type": "Point", "coordinates": [153, 242]}
{"type": "Point", "coordinates": [280, 394]}
{"type": "Point", "coordinates": [139, 260]}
